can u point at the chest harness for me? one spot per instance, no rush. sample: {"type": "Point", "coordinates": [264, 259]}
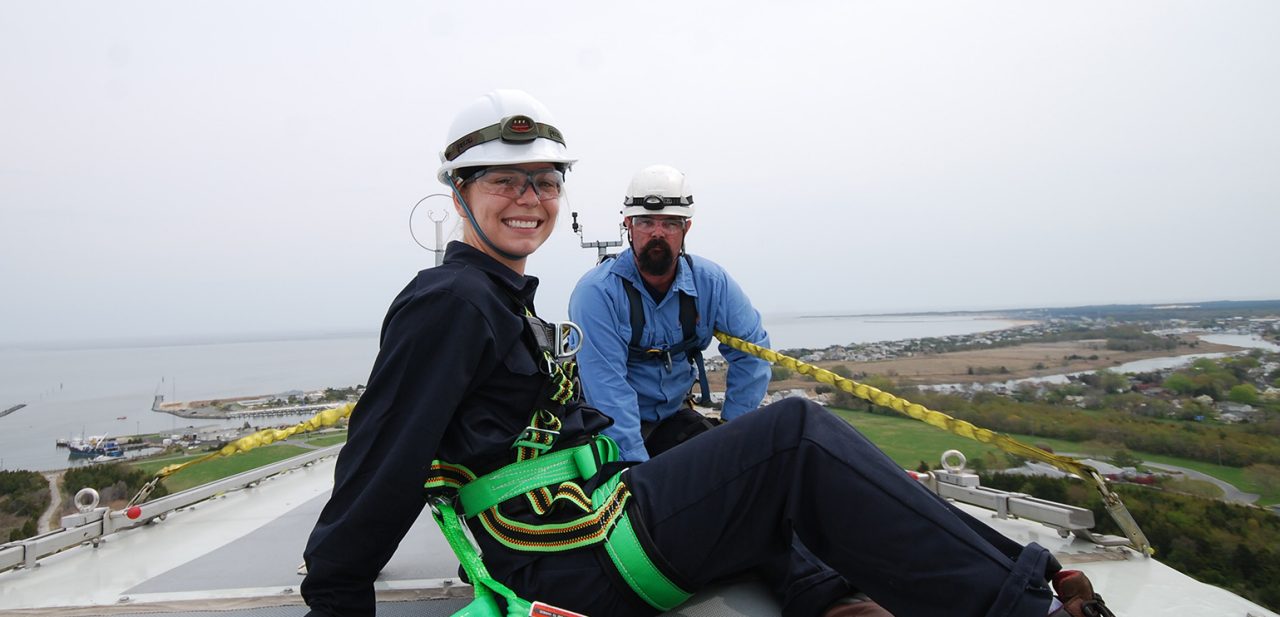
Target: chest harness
{"type": "Point", "coordinates": [550, 481]}
{"type": "Point", "coordinates": [688, 326]}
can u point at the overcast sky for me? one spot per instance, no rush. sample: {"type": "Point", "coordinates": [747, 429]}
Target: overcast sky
{"type": "Point", "coordinates": [213, 168]}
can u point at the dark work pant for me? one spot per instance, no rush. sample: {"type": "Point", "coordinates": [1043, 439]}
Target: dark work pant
{"type": "Point", "coordinates": [803, 585]}
{"type": "Point", "coordinates": [732, 500]}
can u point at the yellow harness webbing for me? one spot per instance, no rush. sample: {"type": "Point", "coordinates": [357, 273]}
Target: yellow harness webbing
{"type": "Point", "coordinates": [267, 436]}
{"type": "Point", "coordinates": [1110, 500]}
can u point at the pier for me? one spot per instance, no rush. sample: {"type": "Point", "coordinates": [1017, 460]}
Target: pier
{"type": "Point", "coordinates": [12, 409]}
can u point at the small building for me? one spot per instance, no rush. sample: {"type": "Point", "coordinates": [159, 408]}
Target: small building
{"type": "Point", "coordinates": [1238, 412]}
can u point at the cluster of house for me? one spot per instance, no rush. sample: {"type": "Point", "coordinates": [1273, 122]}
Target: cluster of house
{"type": "Point", "coordinates": [197, 437]}
{"type": "Point", "coordinates": [298, 397]}
{"type": "Point", "coordinates": [1232, 413]}
{"type": "Point", "coordinates": [888, 350]}
{"type": "Point", "coordinates": [1225, 411]}
{"type": "Point", "coordinates": [1107, 470]}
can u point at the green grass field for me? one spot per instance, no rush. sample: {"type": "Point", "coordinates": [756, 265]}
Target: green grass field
{"type": "Point", "coordinates": [327, 440]}
{"type": "Point", "coordinates": [908, 442]}
{"type": "Point", "coordinates": [218, 468]}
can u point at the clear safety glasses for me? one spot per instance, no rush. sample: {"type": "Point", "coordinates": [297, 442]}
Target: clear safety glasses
{"type": "Point", "coordinates": [648, 224]}
{"type": "Point", "coordinates": [511, 183]}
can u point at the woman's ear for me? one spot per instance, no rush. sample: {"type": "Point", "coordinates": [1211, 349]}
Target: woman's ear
{"type": "Point", "coordinates": [457, 192]}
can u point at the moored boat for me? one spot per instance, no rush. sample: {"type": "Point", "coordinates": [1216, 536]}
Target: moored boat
{"type": "Point", "coordinates": [96, 446]}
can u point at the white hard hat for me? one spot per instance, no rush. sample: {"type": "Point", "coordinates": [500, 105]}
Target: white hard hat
{"type": "Point", "coordinates": [503, 127]}
{"type": "Point", "coordinates": [658, 189]}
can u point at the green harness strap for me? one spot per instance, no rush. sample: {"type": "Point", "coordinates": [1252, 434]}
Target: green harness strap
{"type": "Point", "coordinates": [485, 587]}
{"type": "Point", "coordinates": [606, 522]}
{"type": "Point", "coordinates": [520, 477]}
{"type": "Point", "coordinates": [639, 571]}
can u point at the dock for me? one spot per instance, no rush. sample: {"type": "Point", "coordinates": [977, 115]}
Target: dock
{"type": "Point", "coordinates": [12, 409]}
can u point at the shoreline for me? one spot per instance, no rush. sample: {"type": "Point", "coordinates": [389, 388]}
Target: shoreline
{"type": "Point", "coordinates": [1017, 361]}
{"type": "Point", "coordinates": [217, 409]}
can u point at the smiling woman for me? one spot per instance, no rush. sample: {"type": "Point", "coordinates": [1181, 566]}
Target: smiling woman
{"type": "Point", "coordinates": [505, 164]}
{"type": "Point", "coordinates": [512, 210]}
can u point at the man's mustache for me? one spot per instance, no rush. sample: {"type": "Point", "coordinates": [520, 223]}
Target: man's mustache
{"type": "Point", "coordinates": [655, 257]}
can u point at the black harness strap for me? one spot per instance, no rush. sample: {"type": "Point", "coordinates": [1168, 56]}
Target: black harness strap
{"type": "Point", "coordinates": [688, 327]}
{"type": "Point", "coordinates": [637, 315]}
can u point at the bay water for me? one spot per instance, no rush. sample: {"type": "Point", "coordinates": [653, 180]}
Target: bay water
{"type": "Point", "coordinates": [107, 389]}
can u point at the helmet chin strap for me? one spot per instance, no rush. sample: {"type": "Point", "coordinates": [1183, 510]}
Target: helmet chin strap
{"type": "Point", "coordinates": [476, 226]}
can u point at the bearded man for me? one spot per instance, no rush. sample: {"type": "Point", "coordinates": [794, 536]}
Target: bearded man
{"type": "Point", "coordinates": [646, 315]}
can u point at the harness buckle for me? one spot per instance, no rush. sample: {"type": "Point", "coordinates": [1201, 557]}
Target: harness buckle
{"type": "Point", "coordinates": [436, 501]}
{"type": "Point", "coordinates": [529, 438]}
{"type": "Point", "coordinates": [662, 354]}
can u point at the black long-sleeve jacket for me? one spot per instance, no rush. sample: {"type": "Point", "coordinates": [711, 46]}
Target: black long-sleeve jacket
{"type": "Point", "coordinates": [454, 380]}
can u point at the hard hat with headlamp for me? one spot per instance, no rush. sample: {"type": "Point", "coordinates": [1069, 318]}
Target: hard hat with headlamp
{"type": "Point", "coordinates": [503, 127]}
{"type": "Point", "coordinates": [658, 190]}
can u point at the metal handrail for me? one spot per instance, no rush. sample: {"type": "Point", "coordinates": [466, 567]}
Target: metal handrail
{"type": "Point", "coordinates": [96, 523]}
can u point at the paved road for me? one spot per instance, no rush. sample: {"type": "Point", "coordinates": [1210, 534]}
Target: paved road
{"type": "Point", "coordinates": [45, 524]}
{"type": "Point", "coordinates": [1230, 492]}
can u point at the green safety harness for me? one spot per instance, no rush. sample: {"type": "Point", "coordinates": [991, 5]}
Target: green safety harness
{"type": "Point", "coordinates": [545, 477]}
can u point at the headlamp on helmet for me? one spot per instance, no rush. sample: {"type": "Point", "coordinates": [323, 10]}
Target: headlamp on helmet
{"type": "Point", "coordinates": [512, 130]}
{"type": "Point", "coordinates": [657, 202]}
{"type": "Point", "coordinates": [502, 128]}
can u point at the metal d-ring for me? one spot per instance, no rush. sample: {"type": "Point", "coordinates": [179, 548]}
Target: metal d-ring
{"type": "Point", "coordinates": [86, 500]}
{"type": "Point", "coordinates": [568, 339]}
{"type": "Point", "coordinates": [953, 461]}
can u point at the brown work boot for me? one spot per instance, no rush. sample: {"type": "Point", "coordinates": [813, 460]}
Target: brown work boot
{"type": "Point", "coordinates": [856, 605]}
{"type": "Point", "coordinates": [1076, 593]}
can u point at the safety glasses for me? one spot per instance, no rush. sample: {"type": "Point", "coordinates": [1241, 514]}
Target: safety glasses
{"type": "Point", "coordinates": [648, 224]}
{"type": "Point", "coordinates": [511, 183]}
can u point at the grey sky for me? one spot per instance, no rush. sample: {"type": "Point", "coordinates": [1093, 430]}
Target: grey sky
{"type": "Point", "coordinates": [205, 168]}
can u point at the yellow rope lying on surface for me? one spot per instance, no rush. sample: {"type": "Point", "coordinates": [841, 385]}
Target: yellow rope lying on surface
{"type": "Point", "coordinates": [328, 417]}
{"type": "Point", "coordinates": [1110, 500]}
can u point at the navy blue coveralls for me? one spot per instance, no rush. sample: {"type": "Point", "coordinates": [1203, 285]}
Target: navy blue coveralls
{"type": "Point", "coordinates": [455, 380]}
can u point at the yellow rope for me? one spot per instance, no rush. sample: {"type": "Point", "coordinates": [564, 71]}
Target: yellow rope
{"type": "Point", "coordinates": [328, 417]}
{"type": "Point", "coordinates": [1110, 500]}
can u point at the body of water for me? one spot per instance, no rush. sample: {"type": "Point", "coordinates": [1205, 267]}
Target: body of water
{"type": "Point", "coordinates": [97, 391]}
{"type": "Point", "coordinates": [108, 390]}
{"type": "Point", "coordinates": [819, 332]}
{"type": "Point", "coordinates": [1246, 341]}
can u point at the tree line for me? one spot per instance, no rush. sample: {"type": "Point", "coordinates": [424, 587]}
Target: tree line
{"type": "Point", "coordinates": [1231, 445]}
{"type": "Point", "coordinates": [24, 495]}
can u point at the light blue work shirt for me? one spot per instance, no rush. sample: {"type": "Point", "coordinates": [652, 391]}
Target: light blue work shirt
{"type": "Point", "coordinates": [632, 390]}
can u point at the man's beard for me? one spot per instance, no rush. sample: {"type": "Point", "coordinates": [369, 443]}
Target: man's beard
{"type": "Point", "coordinates": [656, 258]}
